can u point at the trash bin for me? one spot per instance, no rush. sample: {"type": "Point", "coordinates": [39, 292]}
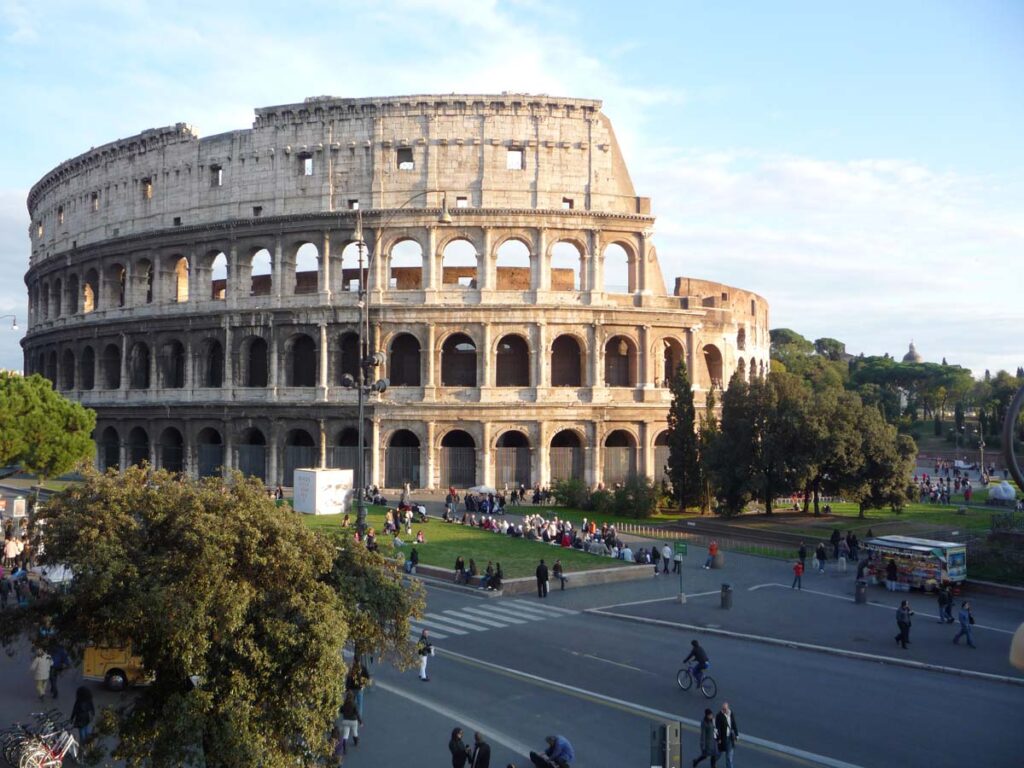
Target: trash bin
{"type": "Point", "coordinates": [860, 594]}
{"type": "Point", "coordinates": [727, 596]}
{"type": "Point", "coordinates": [718, 561]}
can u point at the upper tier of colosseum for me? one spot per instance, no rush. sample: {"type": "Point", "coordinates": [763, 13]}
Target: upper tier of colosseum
{"type": "Point", "coordinates": [499, 152]}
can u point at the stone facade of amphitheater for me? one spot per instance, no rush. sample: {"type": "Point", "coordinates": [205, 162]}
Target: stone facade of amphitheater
{"type": "Point", "coordinates": [201, 295]}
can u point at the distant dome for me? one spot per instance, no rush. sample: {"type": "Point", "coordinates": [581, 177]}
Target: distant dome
{"type": "Point", "coordinates": [912, 355]}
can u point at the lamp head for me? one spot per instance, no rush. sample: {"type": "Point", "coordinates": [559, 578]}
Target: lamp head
{"type": "Point", "coordinates": [445, 217]}
{"type": "Point", "coordinates": [348, 381]}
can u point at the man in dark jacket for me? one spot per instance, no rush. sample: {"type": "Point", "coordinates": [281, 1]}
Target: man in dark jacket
{"type": "Point", "coordinates": [725, 728]}
{"type": "Point", "coordinates": [481, 752]}
{"type": "Point", "coordinates": [699, 655]}
{"type": "Point", "coordinates": [542, 580]}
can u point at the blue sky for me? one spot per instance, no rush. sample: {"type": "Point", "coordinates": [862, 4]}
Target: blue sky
{"type": "Point", "coordinates": [859, 164]}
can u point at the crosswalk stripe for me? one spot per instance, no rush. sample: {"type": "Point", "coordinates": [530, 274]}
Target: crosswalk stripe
{"type": "Point", "coordinates": [478, 619]}
{"type": "Point", "coordinates": [519, 613]}
{"type": "Point", "coordinates": [529, 610]}
{"type": "Point", "coordinates": [460, 622]}
{"type": "Point", "coordinates": [415, 635]}
{"type": "Point", "coordinates": [431, 623]}
{"type": "Point", "coordinates": [490, 612]}
{"type": "Point", "coordinates": [545, 607]}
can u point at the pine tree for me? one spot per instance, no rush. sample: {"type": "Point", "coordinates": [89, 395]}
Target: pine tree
{"type": "Point", "coordinates": [683, 456]}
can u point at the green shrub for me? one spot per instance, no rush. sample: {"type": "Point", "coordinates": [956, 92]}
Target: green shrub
{"type": "Point", "coordinates": [637, 497]}
{"type": "Point", "coordinates": [571, 493]}
{"type": "Point", "coordinates": [602, 502]}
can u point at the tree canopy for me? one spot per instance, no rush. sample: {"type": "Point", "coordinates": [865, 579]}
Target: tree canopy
{"type": "Point", "coordinates": [683, 454]}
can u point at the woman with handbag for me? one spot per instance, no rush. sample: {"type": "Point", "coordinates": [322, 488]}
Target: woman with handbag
{"type": "Point", "coordinates": [708, 739]}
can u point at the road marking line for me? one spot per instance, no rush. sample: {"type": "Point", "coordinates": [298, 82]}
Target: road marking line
{"type": "Point", "coordinates": [518, 613]}
{"type": "Point", "coordinates": [545, 607]}
{"type": "Point", "coordinates": [489, 612]}
{"type": "Point", "coordinates": [439, 625]}
{"type": "Point", "coordinates": [461, 623]}
{"type": "Point", "coordinates": [478, 619]}
{"type": "Point", "coordinates": [874, 604]}
{"type": "Point", "coordinates": [518, 606]}
{"type": "Point", "coordinates": [415, 635]}
{"type": "Point", "coordinates": [654, 600]}
{"type": "Point", "coordinates": [641, 710]}
{"type": "Point", "coordinates": [609, 661]}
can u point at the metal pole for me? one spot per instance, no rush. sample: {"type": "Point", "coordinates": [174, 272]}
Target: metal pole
{"type": "Point", "coordinates": [360, 380]}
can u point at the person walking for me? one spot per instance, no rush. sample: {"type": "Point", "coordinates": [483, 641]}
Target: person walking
{"type": "Point", "coordinates": [708, 740]}
{"type": "Point", "coordinates": [728, 733]}
{"type": "Point", "coordinates": [459, 749]}
{"type": "Point", "coordinates": [460, 570]}
{"type": "Point", "coordinates": [355, 681]}
{"type": "Point", "coordinates": [542, 580]}
{"type": "Point", "coordinates": [820, 556]}
{"type": "Point", "coordinates": [834, 538]}
{"type": "Point", "coordinates": [903, 614]}
{"type": "Point", "coordinates": [802, 554]}
{"type": "Point", "coordinates": [350, 722]}
{"type": "Point", "coordinates": [798, 572]}
{"type": "Point", "coordinates": [948, 607]}
{"type": "Point", "coordinates": [425, 651]}
{"type": "Point", "coordinates": [943, 597]}
{"type": "Point", "coordinates": [655, 557]}
{"type": "Point", "coordinates": [40, 668]}
{"type": "Point", "coordinates": [559, 573]}
{"type": "Point", "coordinates": [61, 661]}
{"type": "Point", "coordinates": [82, 714]}
{"type": "Point", "coordinates": [481, 752]}
{"type": "Point", "coordinates": [966, 618]}
{"type": "Point", "coordinates": [666, 558]}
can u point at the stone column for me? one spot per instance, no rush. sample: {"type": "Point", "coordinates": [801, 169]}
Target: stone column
{"type": "Point", "coordinates": [152, 449]}
{"type": "Point", "coordinates": [541, 456]}
{"type": "Point", "coordinates": [486, 274]}
{"type": "Point", "coordinates": [429, 372]}
{"type": "Point", "coordinates": [194, 274]}
{"type": "Point", "coordinates": [375, 457]}
{"type": "Point", "coordinates": [272, 446]}
{"type": "Point", "coordinates": [486, 457]}
{"type": "Point", "coordinates": [229, 449]}
{"type": "Point", "coordinates": [485, 364]}
{"type": "Point", "coordinates": [536, 353]}
{"type": "Point", "coordinates": [125, 384]}
{"type": "Point", "coordinates": [229, 356]}
{"type": "Point", "coordinates": [597, 262]}
{"type": "Point", "coordinates": [645, 459]}
{"type": "Point", "coordinates": [322, 424]}
{"type": "Point", "coordinates": [596, 455]}
{"type": "Point", "coordinates": [428, 458]}
{"type": "Point", "coordinates": [122, 455]}
{"type": "Point", "coordinates": [190, 367]}
{"type": "Point", "coordinates": [234, 289]}
{"type": "Point", "coordinates": [543, 262]}
{"type": "Point", "coordinates": [325, 268]}
{"type": "Point", "coordinates": [543, 372]}
{"type": "Point", "coordinates": [644, 359]}
{"type": "Point", "coordinates": [272, 379]}
{"type": "Point", "coordinates": [597, 357]}
{"type": "Point", "coordinates": [322, 378]}
{"type": "Point", "coordinates": [154, 383]}
{"type": "Point", "coordinates": [188, 466]}
{"type": "Point", "coordinates": [277, 270]}
{"type": "Point", "coordinates": [696, 380]}
{"type": "Point", "coordinates": [430, 261]}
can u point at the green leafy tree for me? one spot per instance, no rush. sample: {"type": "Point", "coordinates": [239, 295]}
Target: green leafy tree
{"type": "Point", "coordinates": [637, 497]}
{"type": "Point", "coordinates": [833, 349]}
{"type": "Point", "coordinates": [786, 454]}
{"type": "Point", "coordinates": [731, 452]}
{"type": "Point", "coordinates": [835, 454]}
{"type": "Point", "coordinates": [706, 437]}
{"type": "Point", "coordinates": [882, 479]}
{"type": "Point", "coordinates": [683, 453]}
{"type": "Point", "coordinates": [214, 581]}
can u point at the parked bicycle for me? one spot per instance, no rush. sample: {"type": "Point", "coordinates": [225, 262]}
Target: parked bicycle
{"type": "Point", "coordinates": [42, 745]}
{"type": "Point", "coordinates": [687, 675]}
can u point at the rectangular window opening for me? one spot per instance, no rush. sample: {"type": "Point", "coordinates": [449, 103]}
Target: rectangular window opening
{"type": "Point", "coordinates": [177, 221]}
{"type": "Point", "coordinates": [216, 176]}
{"type": "Point", "coordinates": [307, 164]}
{"type": "Point", "coordinates": [95, 201]}
{"type": "Point", "coordinates": [353, 205]}
{"type": "Point", "coordinates": [147, 189]}
{"type": "Point", "coordinates": [60, 215]}
{"type": "Point", "coordinates": [725, 296]}
{"type": "Point", "coordinates": [462, 202]}
{"type": "Point", "coordinates": [514, 159]}
{"type": "Point", "coordinates": [567, 203]}
{"type": "Point", "coordinates": [405, 159]}
{"type": "Point", "coordinates": [40, 230]}
{"type": "Point", "coordinates": [257, 211]}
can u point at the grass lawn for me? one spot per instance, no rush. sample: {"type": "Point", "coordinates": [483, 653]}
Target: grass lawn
{"type": "Point", "coordinates": [446, 541]}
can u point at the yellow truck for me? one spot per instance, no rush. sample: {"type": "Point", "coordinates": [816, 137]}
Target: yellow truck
{"type": "Point", "coordinates": [115, 667]}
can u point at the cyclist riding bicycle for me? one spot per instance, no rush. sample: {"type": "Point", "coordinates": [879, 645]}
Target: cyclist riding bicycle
{"type": "Point", "coordinates": [700, 656]}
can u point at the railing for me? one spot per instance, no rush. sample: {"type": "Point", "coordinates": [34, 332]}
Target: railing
{"type": "Point", "coordinates": [701, 541]}
{"type": "Point", "coordinates": [1007, 522]}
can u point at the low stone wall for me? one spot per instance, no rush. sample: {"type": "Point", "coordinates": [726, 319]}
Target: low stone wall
{"type": "Point", "coordinates": [574, 579]}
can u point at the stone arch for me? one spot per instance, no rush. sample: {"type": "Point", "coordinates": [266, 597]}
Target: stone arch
{"type": "Point", "coordinates": [458, 459]}
{"type": "Point", "coordinates": [67, 369]}
{"type": "Point", "coordinates": [620, 362]}
{"type": "Point", "coordinates": [346, 357]}
{"type": "Point", "coordinates": [512, 458]}
{"type": "Point", "coordinates": [138, 366]}
{"type": "Point", "coordinates": [458, 361]}
{"type": "Point", "coordinates": [211, 268]}
{"type": "Point", "coordinates": [741, 368]}
{"type": "Point", "coordinates": [620, 456]}
{"type": "Point", "coordinates": [255, 362]}
{"type": "Point", "coordinates": [141, 286]}
{"type": "Point", "coordinates": [90, 295]}
{"type": "Point", "coordinates": [567, 265]}
{"type": "Point", "coordinates": [115, 288]}
{"type": "Point", "coordinates": [344, 453]}
{"type": "Point", "coordinates": [405, 265]}
{"type": "Point", "coordinates": [171, 364]}
{"type": "Point", "coordinates": [301, 361]}
{"type": "Point", "coordinates": [252, 453]}
{"type": "Point", "coordinates": [512, 354]}
{"type": "Point", "coordinates": [51, 368]}
{"type": "Point", "coordinates": [73, 294]}
{"type": "Point", "coordinates": [87, 369]}
{"type": "Point", "coordinates": [299, 452]}
{"type": "Point", "coordinates": [58, 297]}
{"type": "Point", "coordinates": [402, 459]}
{"type": "Point", "coordinates": [661, 450]}
{"type": "Point", "coordinates": [513, 265]}
{"type": "Point", "coordinates": [673, 354]}
{"type": "Point", "coordinates": [260, 268]}
{"type": "Point", "coordinates": [567, 361]}
{"type": "Point", "coordinates": [138, 447]}
{"type": "Point", "coordinates": [352, 274]}
{"type": "Point", "coordinates": [404, 361]}
{"type": "Point", "coordinates": [180, 272]}
{"type": "Point", "coordinates": [111, 364]}
{"type": "Point", "coordinates": [566, 455]}
{"type": "Point", "coordinates": [619, 268]}
{"type": "Point", "coordinates": [210, 450]}
{"type": "Point", "coordinates": [460, 263]}
{"type": "Point", "coordinates": [741, 339]}
{"type": "Point", "coordinates": [45, 295]}
{"type": "Point", "coordinates": [172, 450]}
{"type": "Point", "coordinates": [307, 268]}
{"type": "Point", "coordinates": [713, 365]}
{"type": "Point", "coordinates": [109, 450]}
{"type": "Point", "coordinates": [211, 363]}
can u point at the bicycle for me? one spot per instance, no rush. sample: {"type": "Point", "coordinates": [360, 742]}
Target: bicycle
{"type": "Point", "coordinates": [687, 675]}
{"type": "Point", "coordinates": [44, 745]}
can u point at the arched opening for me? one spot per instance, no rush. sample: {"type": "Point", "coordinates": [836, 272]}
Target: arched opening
{"type": "Point", "coordinates": [620, 362]}
{"type": "Point", "coordinates": [402, 462]}
{"type": "Point", "coordinates": [344, 454]}
{"type": "Point", "coordinates": [138, 447]}
{"type": "Point", "coordinates": [73, 289]}
{"type": "Point", "coordinates": [90, 298]}
{"type": "Point", "coordinates": [44, 294]}
{"type": "Point", "coordinates": [713, 365]}
{"type": "Point", "coordinates": [252, 454]}
{"type": "Point", "coordinates": [406, 271]}
{"type": "Point", "coordinates": [347, 357]}
{"type": "Point", "coordinates": [741, 368]}
{"type": "Point", "coordinates": [566, 456]}
{"type": "Point", "coordinates": [672, 356]}
{"type": "Point", "coordinates": [458, 361]}
{"type": "Point", "coordinates": [619, 457]}
{"type": "Point", "coordinates": [513, 267]}
{"type": "Point", "coordinates": [110, 450]}
{"type": "Point", "coordinates": [513, 368]}
{"type": "Point", "coordinates": [459, 265]}
{"type": "Point", "coordinates": [741, 339]}
{"type": "Point", "coordinates": [260, 277]}
{"type": "Point", "coordinates": [51, 368]}
{"type": "Point", "coordinates": [458, 460]}
{"type": "Point", "coordinates": [212, 363]}
{"type": "Point", "coordinates": [58, 298]}
{"type": "Point", "coordinates": [299, 453]}
{"type": "Point", "coordinates": [172, 365]}
{"type": "Point", "coordinates": [181, 279]}
{"type": "Point", "coordinates": [172, 450]}
{"type": "Point", "coordinates": [404, 361]}
{"type": "Point", "coordinates": [661, 457]}
{"type": "Point", "coordinates": [566, 362]}
{"type": "Point", "coordinates": [138, 366]}
{"type": "Point", "coordinates": [307, 270]}
{"type": "Point", "coordinates": [67, 370]}
{"type": "Point", "coordinates": [618, 277]}
{"type": "Point", "coordinates": [115, 287]}
{"type": "Point", "coordinates": [351, 269]}
{"type": "Point", "coordinates": [111, 362]}
{"type": "Point", "coordinates": [87, 369]}
{"type": "Point", "coordinates": [566, 267]}
{"type": "Point", "coordinates": [219, 277]}
{"type": "Point", "coordinates": [301, 361]}
{"type": "Point", "coordinates": [211, 452]}
{"type": "Point", "coordinates": [254, 373]}
{"type": "Point", "coordinates": [512, 460]}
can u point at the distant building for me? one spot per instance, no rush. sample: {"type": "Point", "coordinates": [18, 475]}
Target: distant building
{"type": "Point", "coordinates": [912, 356]}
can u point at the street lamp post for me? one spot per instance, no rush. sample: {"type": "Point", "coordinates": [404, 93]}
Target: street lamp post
{"type": "Point", "coordinates": [14, 321]}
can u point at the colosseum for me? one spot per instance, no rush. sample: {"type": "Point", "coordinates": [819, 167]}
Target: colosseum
{"type": "Point", "coordinates": [204, 295]}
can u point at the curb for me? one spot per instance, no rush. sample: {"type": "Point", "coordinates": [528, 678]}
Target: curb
{"type": "Point", "coordinates": [987, 676]}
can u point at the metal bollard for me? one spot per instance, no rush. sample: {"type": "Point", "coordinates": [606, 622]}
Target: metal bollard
{"type": "Point", "coordinates": [860, 594]}
{"type": "Point", "coordinates": [727, 596]}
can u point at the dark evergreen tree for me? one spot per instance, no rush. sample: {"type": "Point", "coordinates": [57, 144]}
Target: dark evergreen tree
{"type": "Point", "coordinates": [683, 455]}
